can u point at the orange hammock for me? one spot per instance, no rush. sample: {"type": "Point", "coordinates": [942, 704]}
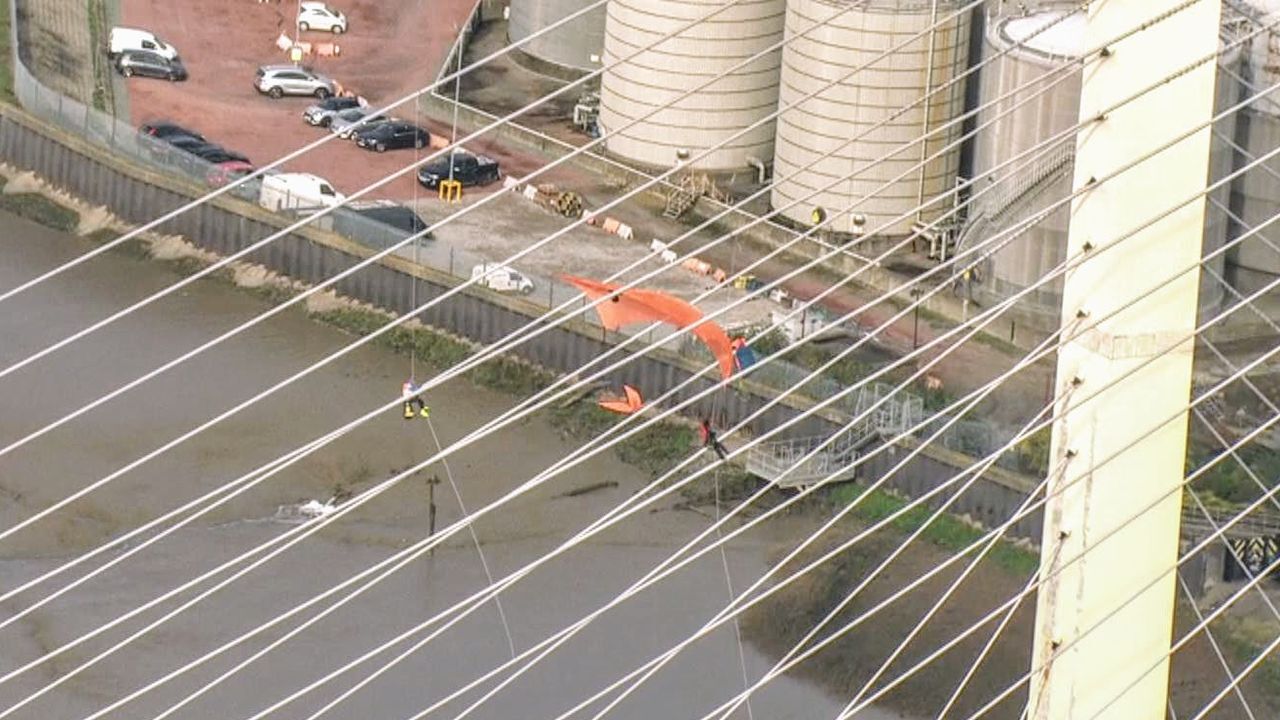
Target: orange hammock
{"type": "Point", "coordinates": [636, 306]}
{"type": "Point", "coordinates": [627, 405]}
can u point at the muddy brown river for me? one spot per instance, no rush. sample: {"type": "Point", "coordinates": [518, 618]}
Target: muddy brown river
{"type": "Point", "coordinates": [102, 440]}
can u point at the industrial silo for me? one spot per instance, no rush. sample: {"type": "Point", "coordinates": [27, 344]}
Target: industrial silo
{"type": "Point", "coordinates": [1020, 175]}
{"type": "Point", "coordinates": [1253, 263]}
{"type": "Point", "coordinates": [658, 76]}
{"type": "Point", "coordinates": [570, 46]}
{"type": "Point", "coordinates": [840, 148]}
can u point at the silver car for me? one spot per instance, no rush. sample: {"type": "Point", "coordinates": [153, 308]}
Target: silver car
{"type": "Point", "coordinates": [346, 122]}
{"type": "Point", "coordinates": [280, 80]}
{"type": "Point", "coordinates": [321, 114]}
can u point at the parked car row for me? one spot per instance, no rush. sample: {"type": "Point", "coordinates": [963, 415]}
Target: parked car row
{"type": "Point", "coordinates": [139, 52]}
{"type": "Point", "coordinates": [227, 164]}
{"type": "Point", "coordinates": [371, 130]}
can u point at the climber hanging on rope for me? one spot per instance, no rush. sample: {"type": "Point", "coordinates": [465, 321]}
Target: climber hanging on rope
{"type": "Point", "coordinates": [413, 397]}
{"type": "Point", "coordinates": [710, 440]}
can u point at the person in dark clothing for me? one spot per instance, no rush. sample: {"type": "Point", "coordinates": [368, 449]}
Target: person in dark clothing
{"type": "Point", "coordinates": [710, 440]}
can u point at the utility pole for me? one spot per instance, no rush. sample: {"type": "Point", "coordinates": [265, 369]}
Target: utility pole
{"type": "Point", "coordinates": [1077, 675]}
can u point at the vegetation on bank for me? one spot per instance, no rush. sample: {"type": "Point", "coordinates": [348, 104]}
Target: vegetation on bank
{"type": "Point", "coordinates": [945, 531]}
{"type": "Point", "coordinates": [39, 209]}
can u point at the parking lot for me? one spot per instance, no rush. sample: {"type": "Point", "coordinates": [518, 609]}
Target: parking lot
{"type": "Point", "coordinates": [391, 48]}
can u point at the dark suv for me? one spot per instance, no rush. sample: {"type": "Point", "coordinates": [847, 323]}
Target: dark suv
{"type": "Point", "coordinates": [149, 64]}
{"type": "Point", "coordinates": [467, 169]}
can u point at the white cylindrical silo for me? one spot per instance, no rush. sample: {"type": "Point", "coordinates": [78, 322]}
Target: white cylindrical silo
{"type": "Point", "coordinates": [658, 76]}
{"type": "Point", "coordinates": [835, 144]}
{"type": "Point", "coordinates": [572, 45]}
{"type": "Point", "coordinates": [1027, 65]}
{"type": "Point", "coordinates": [1254, 262]}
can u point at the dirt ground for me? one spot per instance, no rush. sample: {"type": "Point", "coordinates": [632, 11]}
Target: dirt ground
{"type": "Point", "coordinates": [392, 47]}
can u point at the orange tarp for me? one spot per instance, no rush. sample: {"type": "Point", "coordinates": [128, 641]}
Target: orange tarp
{"type": "Point", "coordinates": [637, 306]}
{"type": "Point", "coordinates": [625, 405]}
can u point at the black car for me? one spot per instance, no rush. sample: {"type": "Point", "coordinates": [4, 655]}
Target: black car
{"type": "Point", "coordinates": [392, 135]}
{"type": "Point", "coordinates": [185, 144]}
{"type": "Point", "coordinates": [467, 169]}
{"type": "Point", "coordinates": [393, 222]}
{"type": "Point", "coordinates": [149, 64]}
{"type": "Point", "coordinates": [163, 129]}
{"type": "Point", "coordinates": [217, 154]}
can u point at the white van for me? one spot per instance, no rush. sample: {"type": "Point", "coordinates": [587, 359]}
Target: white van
{"type": "Point", "coordinates": [123, 39]}
{"type": "Point", "coordinates": [289, 191]}
{"type": "Point", "coordinates": [501, 278]}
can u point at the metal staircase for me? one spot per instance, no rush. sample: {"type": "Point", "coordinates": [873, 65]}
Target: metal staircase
{"type": "Point", "coordinates": [679, 202]}
{"type": "Point", "coordinates": [883, 413]}
{"type": "Point", "coordinates": [1012, 203]}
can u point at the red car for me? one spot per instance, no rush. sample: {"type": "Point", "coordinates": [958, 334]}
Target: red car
{"type": "Point", "coordinates": [228, 166]}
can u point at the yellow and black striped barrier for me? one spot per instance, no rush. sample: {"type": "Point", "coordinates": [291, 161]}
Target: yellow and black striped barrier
{"type": "Point", "coordinates": [451, 190]}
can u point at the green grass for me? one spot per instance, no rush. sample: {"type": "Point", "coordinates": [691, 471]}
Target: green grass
{"type": "Point", "coordinates": [1245, 638]}
{"type": "Point", "coordinates": [6, 56]}
{"type": "Point", "coordinates": [40, 209]}
{"type": "Point", "coordinates": [946, 531]}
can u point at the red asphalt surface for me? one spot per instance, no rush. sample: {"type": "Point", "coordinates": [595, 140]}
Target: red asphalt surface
{"type": "Point", "coordinates": [391, 48]}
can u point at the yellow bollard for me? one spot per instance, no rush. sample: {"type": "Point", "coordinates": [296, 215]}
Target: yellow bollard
{"type": "Point", "coordinates": [451, 190]}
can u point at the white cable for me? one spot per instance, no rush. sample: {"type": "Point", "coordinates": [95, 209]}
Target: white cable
{"type": "Point", "coordinates": [598, 696]}
{"type": "Point", "coordinates": [1195, 549]}
{"type": "Point", "coordinates": [981, 622]}
{"type": "Point", "coordinates": [551, 27]}
{"type": "Point", "coordinates": [377, 256]}
{"type": "Point", "coordinates": [375, 651]}
{"type": "Point", "coordinates": [187, 436]}
{"type": "Point", "coordinates": [475, 539]}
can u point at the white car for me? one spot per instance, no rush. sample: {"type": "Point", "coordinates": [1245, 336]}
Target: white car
{"type": "Point", "coordinates": [321, 17]}
{"type": "Point", "coordinates": [123, 39]}
{"type": "Point", "coordinates": [501, 278]}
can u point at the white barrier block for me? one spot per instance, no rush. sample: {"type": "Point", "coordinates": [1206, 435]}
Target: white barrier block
{"type": "Point", "coordinates": [656, 245]}
{"type": "Point", "coordinates": [668, 256]}
{"type": "Point", "coordinates": [509, 182]}
{"type": "Point", "coordinates": [531, 192]}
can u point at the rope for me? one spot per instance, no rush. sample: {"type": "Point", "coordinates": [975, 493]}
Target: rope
{"type": "Point", "coordinates": [728, 581]}
{"type": "Point", "coordinates": [475, 539]}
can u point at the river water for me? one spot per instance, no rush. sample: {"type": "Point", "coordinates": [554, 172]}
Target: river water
{"type": "Point", "coordinates": [100, 441]}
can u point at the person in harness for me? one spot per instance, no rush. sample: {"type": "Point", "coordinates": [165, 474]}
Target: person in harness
{"type": "Point", "coordinates": [709, 439]}
{"type": "Point", "coordinates": [413, 400]}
